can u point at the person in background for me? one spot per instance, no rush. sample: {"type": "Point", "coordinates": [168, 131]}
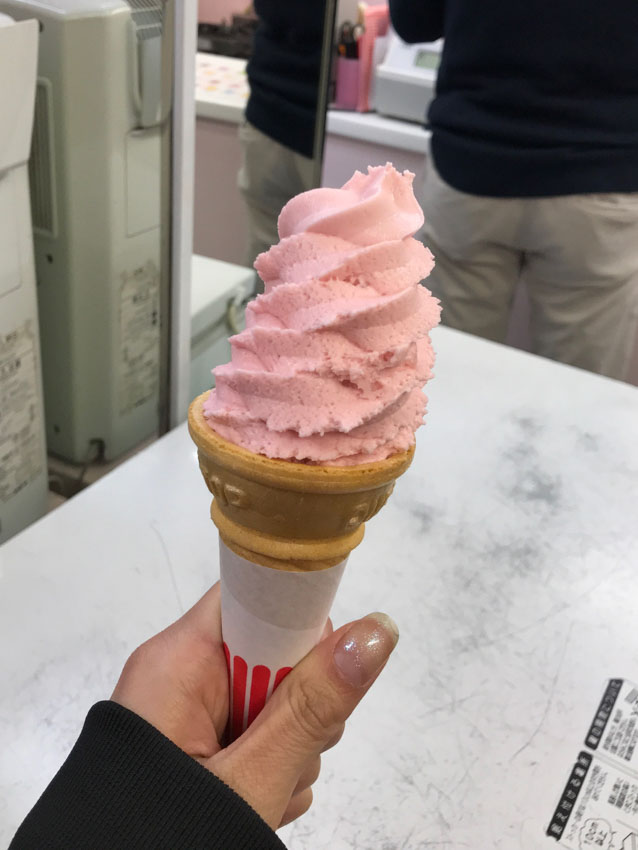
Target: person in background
{"type": "Point", "coordinates": [533, 172]}
{"type": "Point", "coordinates": [150, 770]}
{"type": "Point", "coordinates": [277, 137]}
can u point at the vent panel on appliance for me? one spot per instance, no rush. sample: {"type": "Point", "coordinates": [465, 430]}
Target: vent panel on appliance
{"type": "Point", "coordinates": [41, 179]}
{"type": "Point", "coordinates": [148, 16]}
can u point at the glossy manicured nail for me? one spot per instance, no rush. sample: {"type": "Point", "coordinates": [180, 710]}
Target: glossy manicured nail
{"type": "Point", "coordinates": [365, 648]}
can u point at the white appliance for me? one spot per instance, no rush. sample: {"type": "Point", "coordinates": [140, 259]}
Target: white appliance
{"type": "Point", "coordinates": [406, 79]}
{"type": "Point", "coordinates": [219, 292]}
{"type": "Point", "coordinates": [23, 468]}
{"type": "Point", "coordinates": [95, 188]}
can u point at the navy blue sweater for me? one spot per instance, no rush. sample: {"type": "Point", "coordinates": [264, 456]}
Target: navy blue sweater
{"type": "Point", "coordinates": [534, 98]}
{"type": "Point", "coordinates": [284, 71]}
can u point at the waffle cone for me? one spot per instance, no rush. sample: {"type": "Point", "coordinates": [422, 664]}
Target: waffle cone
{"type": "Point", "coordinates": [288, 515]}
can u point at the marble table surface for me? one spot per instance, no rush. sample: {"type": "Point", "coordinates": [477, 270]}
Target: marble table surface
{"type": "Point", "coordinates": [508, 555]}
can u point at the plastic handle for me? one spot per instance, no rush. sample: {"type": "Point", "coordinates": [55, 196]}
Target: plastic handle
{"type": "Point", "coordinates": [150, 64]}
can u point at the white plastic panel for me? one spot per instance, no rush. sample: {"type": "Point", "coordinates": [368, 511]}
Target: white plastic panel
{"type": "Point", "coordinates": [10, 276]}
{"type": "Point", "coordinates": [143, 163]}
{"type": "Point", "coordinates": [18, 46]}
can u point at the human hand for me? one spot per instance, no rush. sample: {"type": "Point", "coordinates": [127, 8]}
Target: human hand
{"type": "Point", "coordinates": [178, 682]}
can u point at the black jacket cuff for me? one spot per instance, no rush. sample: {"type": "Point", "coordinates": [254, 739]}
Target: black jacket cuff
{"type": "Point", "coordinates": [125, 786]}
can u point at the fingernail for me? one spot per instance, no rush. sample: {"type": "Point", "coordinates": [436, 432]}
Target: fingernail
{"type": "Point", "coordinates": [365, 648]}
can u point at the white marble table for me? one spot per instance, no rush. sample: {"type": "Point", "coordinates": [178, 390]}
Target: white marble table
{"type": "Point", "coordinates": [507, 554]}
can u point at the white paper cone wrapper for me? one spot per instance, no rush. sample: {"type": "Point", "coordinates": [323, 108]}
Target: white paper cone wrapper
{"type": "Point", "coordinates": [270, 620]}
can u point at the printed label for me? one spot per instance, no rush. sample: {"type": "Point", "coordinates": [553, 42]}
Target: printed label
{"type": "Point", "coordinates": [21, 449]}
{"type": "Point", "coordinates": [604, 813]}
{"type": "Point", "coordinates": [607, 703]}
{"type": "Point", "coordinates": [621, 733]}
{"type": "Point", "coordinates": [139, 337]}
{"type": "Point", "coordinates": [598, 809]}
{"type": "Point", "coordinates": [250, 688]}
{"type": "Point", "coordinates": [570, 796]}
{"type": "Point", "coordinates": [270, 620]}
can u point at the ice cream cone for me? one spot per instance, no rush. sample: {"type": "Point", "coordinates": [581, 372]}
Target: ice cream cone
{"type": "Point", "coordinates": [328, 373]}
{"type": "Point", "coordinates": [297, 519]}
{"type": "Point", "coordinates": [288, 515]}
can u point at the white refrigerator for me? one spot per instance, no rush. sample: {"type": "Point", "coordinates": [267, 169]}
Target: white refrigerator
{"type": "Point", "coordinates": [23, 467]}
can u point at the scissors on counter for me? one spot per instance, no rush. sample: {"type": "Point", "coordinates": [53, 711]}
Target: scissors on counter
{"type": "Point", "coordinates": [347, 42]}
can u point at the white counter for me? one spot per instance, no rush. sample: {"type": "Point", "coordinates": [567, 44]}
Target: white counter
{"type": "Point", "coordinates": [507, 554]}
{"type": "Point", "coordinates": [377, 129]}
{"type": "Point", "coordinates": [221, 94]}
{"type": "Point", "coordinates": [221, 87]}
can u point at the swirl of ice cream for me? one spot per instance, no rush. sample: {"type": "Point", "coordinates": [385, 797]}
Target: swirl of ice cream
{"type": "Point", "coordinates": [331, 366]}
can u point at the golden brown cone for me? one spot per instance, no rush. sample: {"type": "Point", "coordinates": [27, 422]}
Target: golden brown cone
{"type": "Point", "coordinates": [288, 515]}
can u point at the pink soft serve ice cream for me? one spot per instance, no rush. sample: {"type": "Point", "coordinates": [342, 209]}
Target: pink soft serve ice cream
{"type": "Point", "coordinates": [331, 366]}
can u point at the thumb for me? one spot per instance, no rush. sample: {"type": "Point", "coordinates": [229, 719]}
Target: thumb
{"type": "Point", "coordinates": [307, 712]}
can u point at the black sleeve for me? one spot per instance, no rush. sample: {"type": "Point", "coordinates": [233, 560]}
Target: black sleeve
{"type": "Point", "coordinates": [125, 786]}
{"type": "Point", "coordinates": [418, 20]}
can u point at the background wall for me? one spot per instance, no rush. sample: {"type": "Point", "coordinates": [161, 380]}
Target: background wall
{"type": "Point", "coordinates": [347, 10]}
{"type": "Point", "coordinates": [220, 229]}
{"type": "Point", "coordinates": [215, 11]}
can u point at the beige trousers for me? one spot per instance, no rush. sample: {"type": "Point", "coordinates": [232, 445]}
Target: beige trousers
{"type": "Point", "coordinates": [577, 255]}
{"type": "Point", "coordinates": [270, 175]}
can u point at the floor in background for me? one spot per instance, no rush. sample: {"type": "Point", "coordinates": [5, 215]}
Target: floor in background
{"type": "Point", "coordinates": [68, 479]}
{"type": "Point", "coordinates": [54, 500]}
